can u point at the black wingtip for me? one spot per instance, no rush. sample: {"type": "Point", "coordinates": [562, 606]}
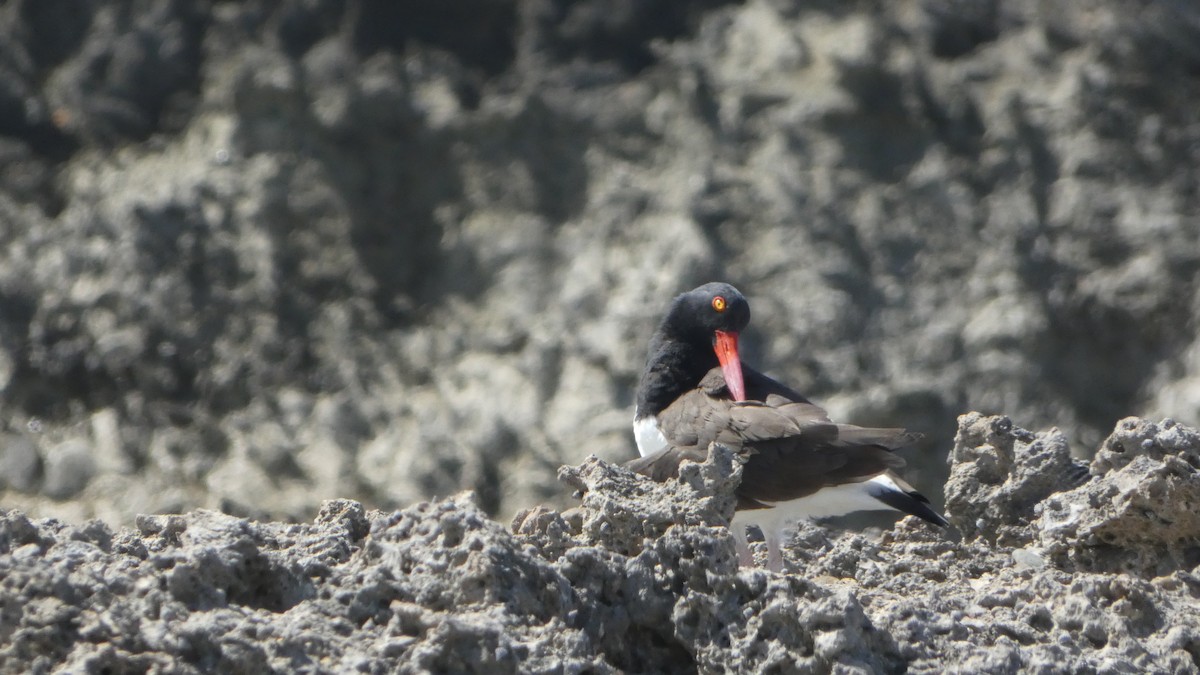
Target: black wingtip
{"type": "Point", "coordinates": [914, 504]}
{"type": "Point", "coordinates": [1076, 474]}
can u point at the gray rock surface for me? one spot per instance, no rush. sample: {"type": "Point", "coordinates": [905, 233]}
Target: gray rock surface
{"type": "Point", "coordinates": [1001, 474]}
{"type": "Point", "coordinates": [1145, 517]}
{"type": "Point", "coordinates": [20, 463]}
{"type": "Point", "coordinates": [639, 577]}
{"type": "Point", "coordinates": [261, 254]}
{"type": "Point", "coordinates": [69, 466]}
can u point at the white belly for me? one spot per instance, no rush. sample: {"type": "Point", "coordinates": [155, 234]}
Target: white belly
{"type": "Point", "coordinates": [832, 501]}
{"type": "Point", "coordinates": [649, 439]}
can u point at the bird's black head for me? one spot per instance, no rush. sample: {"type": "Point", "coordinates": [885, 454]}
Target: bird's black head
{"type": "Point", "coordinates": [699, 331]}
{"type": "Point", "coordinates": [697, 315]}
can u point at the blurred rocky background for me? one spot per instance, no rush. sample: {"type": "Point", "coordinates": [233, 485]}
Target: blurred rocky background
{"type": "Point", "coordinates": [255, 255]}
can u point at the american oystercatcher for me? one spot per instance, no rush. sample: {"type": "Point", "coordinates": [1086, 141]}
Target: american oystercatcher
{"type": "Point", "coordinates": [798, 463]}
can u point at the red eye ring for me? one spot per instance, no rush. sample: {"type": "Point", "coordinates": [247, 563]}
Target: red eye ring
{"type": "Point", "coordinates": [719, 304]}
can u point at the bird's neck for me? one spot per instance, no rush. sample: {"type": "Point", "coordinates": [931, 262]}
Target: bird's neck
{"type": "Point", "coordinates": [673, 368]}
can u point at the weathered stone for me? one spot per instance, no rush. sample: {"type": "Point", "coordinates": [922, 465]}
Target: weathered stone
{"type": "Point", "coordinates": [641, 576]}
{"type": "Point", "coordinates": [1142, 516]}
{"type": "Point", "coordinates": [1000, 473]}
{"type": "Point", "coordinates": [260, 254]}
{"type": "Point", "coordinates": [255, 255]}
{"type": "Point", "coordinates": [69, 467]}
{"type": "Point", "coordinates": [20, 464]}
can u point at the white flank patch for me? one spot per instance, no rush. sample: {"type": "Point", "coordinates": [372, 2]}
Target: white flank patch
{"type": "Point", "coordinates": [649, 439]}
{"type": "Point", "coordinates": [832, 501]}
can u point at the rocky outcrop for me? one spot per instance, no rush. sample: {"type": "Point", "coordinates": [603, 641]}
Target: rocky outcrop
{"type": "Point", "coordinates": [640, 577]}
{"type": "Point", "coordinates": [1002, 473]}
{"type": "Point", "coordinates": [255, 255]}
{"type": "Point", "coordinates": [1145, 517]}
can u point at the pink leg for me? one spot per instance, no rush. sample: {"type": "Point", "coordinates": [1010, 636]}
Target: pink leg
{"type": "Point", "coordinates": [774, 549]}
{"type": "Point", "coordinates": [745, 555]}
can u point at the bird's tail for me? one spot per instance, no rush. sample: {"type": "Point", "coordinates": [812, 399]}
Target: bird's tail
{"type": "Point", "coordinates": [894, 492]}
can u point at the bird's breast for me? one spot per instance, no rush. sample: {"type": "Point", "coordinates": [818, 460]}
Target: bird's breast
{"type": "Point", "coordinates": [649, 437]}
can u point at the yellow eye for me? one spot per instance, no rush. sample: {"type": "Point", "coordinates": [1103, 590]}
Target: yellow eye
{"type": "Point", "coordinates": [719, 304]}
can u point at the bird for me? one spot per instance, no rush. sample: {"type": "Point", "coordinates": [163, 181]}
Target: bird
{"type": "Point", "coordinates": [695, 391]}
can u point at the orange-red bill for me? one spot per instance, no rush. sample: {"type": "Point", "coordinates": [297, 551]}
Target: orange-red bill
{"type": "Point", "coordinates": [725, 345]}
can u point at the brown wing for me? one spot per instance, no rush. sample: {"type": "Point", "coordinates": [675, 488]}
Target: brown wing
{"type": "Point", "coordinates": [793, 448]}
{"type": "Point", "coordinates": [796, 466]}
